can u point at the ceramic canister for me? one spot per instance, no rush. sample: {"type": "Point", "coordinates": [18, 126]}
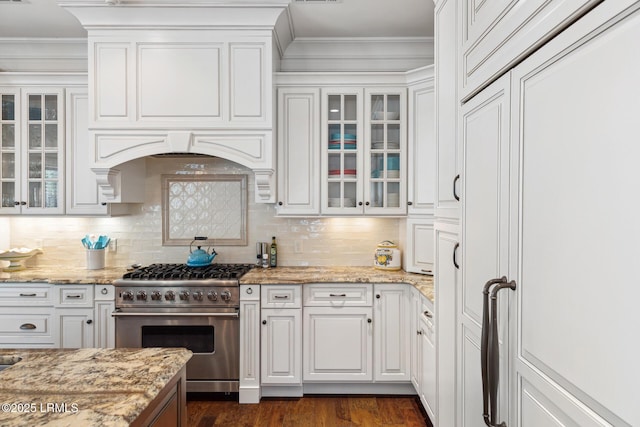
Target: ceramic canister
{"type": "Point", "coordinates": [387, 256]}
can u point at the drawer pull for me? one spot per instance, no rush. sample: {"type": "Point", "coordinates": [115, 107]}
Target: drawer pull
{"type": "Point", "coordinates": [104, 291]}
{"type": "Point", "coordinates": [27, 295]}
{"type": "Point", "coordinates": [338, 295]}
{"type": "Point", "coordinates": [281, 296]}
{"type": "Point", "coordinates": [27, 326]}
{"type": "Point", "coordinates": [428, 314]}
{"type": "Point", "coordinates": [76, 296]}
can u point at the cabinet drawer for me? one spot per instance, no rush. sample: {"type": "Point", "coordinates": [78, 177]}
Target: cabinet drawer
{"type": "Point", "coordinates": [25, 295]}
{"type": "Point", "coordinates": [338, 295]}
{"type": "Point", "coordinates": [250, 292]}
{"type": "Point", "coordinates": [21, 327]}
{"type": "Point", "coordinates": [105, 293]}
{"type": "Point", "coordinates": [73, 295]}
{"type": "Point", "coordinates": [281, 296]}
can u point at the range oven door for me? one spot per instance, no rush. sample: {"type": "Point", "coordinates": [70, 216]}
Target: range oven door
{"type": "Point", "coordinates": [213, 337]}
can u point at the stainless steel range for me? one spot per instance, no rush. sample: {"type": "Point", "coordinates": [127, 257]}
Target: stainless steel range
{"type": "Point", "coordinates": [173, 305]}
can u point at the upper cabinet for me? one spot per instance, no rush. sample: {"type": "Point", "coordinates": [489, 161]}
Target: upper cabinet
{"type": "Point", "coordinates": [363, 141]}
{"type": "Point", "coordinates": [32, 151]}
{"type": "Point", "coordinates": [298, 151]}
{"type": "Point", "coordinates": [496, 35]}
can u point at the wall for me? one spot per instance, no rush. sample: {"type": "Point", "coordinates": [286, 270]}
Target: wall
{"type": "Point", "coordinates": [323, 241]}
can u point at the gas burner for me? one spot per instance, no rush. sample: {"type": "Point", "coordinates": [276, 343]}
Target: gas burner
{"type": "Point", "coordinates": [184, 272]}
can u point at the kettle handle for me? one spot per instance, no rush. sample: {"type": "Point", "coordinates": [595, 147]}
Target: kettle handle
{"type": "Point", "coordinates": [194, 239]}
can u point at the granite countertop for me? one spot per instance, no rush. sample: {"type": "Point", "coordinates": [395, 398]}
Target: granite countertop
{"type": "Point", "coordinates": [257, 276]}
{"type": "Point", "coordinates": [302, 275]}
{"type": "Point", "coordinates": [97, 387]}
{"type": "Point", "coordinates": [63, 275]}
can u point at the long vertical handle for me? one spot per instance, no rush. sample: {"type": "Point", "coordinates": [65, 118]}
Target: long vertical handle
{"type": "Point", "coordinates": [455, 193]}
{"type": "Point", "coordinates": [490, 349]}
{"type": "Point", "coordinates": [455, 260]}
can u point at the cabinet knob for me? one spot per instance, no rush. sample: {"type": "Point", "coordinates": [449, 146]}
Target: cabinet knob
{"type": "Point", "coordinates": [89, 322]}
{"type": "Point", "coordinates": [359, 203]}
{"type": "Point", "coordinates": [16, 203]}
{"type": "Point", "coordinates": [378, 296]}
{"type": "Point", "coordinates": [410, 203]}
{"type": "Point", "coordinates": [23, 203]}
{"type": "Point", "coordinates": [104, 291]}
{"type": "Point", "coordinates": [104, 203]}
{"type": "Point", "coordinates": [280, 203]}
{"type": "Point", "coordinates": [264, 322]}
{"type": "Point", "coordinates": [419, 332]}
{"type": "Point", "coordinates": [367, 203]}
{"type": "Point", "coordinates": [369, 320]}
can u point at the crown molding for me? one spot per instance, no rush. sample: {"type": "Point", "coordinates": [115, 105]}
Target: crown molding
{"type": "Point", "coordinates": [43, 55]}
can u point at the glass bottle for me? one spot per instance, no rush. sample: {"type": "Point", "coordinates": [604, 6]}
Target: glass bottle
{"type": "Point", "coordinates": [273, 259]}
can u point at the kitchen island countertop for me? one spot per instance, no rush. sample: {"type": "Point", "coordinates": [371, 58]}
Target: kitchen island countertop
{"type": "Point", "coordinates": [88, 387]}
{"type": "Point", "coordinates": [347, 274]}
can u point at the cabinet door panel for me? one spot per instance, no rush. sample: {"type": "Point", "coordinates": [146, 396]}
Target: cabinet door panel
{"type": "Point", "coordinates": [298, 151]}
{"type": "Point", "coordinates": [421, 150]}
{"type": "Point", "coordinates": [495, 34]}
{"type": "Point", "coordinates": [391, 333]}
{"type": "Point", "coordinates": [281, 346]}
{"type": "Point", "coordinates": [75, 326]}
{"type": "Point", "coordinates": [578, 224]}
{"type": "Point", "coordinates": [337, 344]}
{"type": "Point", "coordinates": [485, 127]}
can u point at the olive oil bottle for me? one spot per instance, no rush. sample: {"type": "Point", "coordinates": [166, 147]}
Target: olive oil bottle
{"type": "Point", "coordinates": [273, 253]}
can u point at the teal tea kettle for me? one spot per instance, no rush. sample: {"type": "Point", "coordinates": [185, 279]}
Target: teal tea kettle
{"type": "Point", "coordinates": [200, 257]}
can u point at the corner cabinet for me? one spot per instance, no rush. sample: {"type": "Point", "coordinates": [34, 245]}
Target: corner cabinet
{"type": "Point", "coordinates": [32, 150]}
{"type": "Point", "coordinates": [363, 146]}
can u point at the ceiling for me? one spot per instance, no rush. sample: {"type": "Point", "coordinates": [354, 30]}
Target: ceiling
{"type": "Point", "coordinates": [312, 19]}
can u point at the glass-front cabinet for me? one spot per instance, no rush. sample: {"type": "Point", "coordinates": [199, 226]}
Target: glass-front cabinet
{"type": "Point", "coordinates": [363, 146]}
{"type": "Point", "coordinates": [31, 154]}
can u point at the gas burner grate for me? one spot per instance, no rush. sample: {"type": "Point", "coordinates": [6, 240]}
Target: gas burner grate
{"type": "Point", "coordinates": [184, 272]}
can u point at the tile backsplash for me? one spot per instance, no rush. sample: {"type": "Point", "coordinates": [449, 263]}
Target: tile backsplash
{"type": "Point", "coordinates": [301, 241]}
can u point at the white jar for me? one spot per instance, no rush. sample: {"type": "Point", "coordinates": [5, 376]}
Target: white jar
{"type": "Point", "coordinates": [387, 256]}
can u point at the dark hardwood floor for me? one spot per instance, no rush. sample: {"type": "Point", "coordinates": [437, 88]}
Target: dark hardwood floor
{"type": "Point", "coordinates": [307, 411]}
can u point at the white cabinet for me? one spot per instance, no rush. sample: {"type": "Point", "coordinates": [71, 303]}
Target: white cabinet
{"type": "Point", "coordinates": [26, 315]}
{"type": "Point", "coordinates": [427, 358]}
{"type": "Point", "coordinates": [281, 335]}
{"type": "Point", "coordinates": [447, 147]}
{"type": "Point", "coordinates": [75, 326]}
{"type": "Point", "coordinates": [104, 332]}
{"type": "Point", "coordinates": [392, 334]}
{"type": "Point", "coordinates": [496, 35]}
{"type": "Point", "coordinates": [419, 247]}
{"type": "Point", "coordinates": [298, 151]}
{"type": "Point", "coordinates": [249, 388]}
{"type": "Point", "coordinates": [32, 150]}
{"type": "Point", "coordinates": [485, 125]}
{"type": "Point", "coordinates": [363, 140]}
{"type": "Point", "coordinates": [338, 333]}
{"type": "Point", "coordinates": [447, 287]}
{"type": "Point", "coordinates": [421, 149]}
{"type": "Point", "coordinates": [74, 315]}
{"type": "Point", "coordinates": [571, 148]}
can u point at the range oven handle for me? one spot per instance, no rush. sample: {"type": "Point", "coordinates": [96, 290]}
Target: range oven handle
{"type": "Point", "coordinates": [138, 314]}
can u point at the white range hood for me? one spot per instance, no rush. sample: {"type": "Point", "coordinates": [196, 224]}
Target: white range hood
{"type": "Point", "coordinates": [180, 76]}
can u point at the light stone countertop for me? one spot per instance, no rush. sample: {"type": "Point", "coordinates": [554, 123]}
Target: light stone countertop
{"type": "Point", "coordinates": [63, 275]}
{"type": "Point", "coordinates": [90, 387]}
{"type": "Point", "coordinates": [302, 275]}
{"type": "Point", "coordinates": [279, 275]}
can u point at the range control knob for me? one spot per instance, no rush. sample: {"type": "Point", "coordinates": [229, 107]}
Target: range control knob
{"type": "Point", "coordinates": [127, 296]}
{"type": "Point", "coordinates": [141, 296]}
{"type": "Point", "coordinates": [170, 296]}
{"type": "Point", "coordinates": [184, 295]}
{"type": "Point", "coordinates": [156, 295]}
{"type": "Point", "coordinates": [226, 295]}
{"type": "Point", "coordinates": [197, 295]}
{"type": "Point", "coordinates": [212, 295]}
